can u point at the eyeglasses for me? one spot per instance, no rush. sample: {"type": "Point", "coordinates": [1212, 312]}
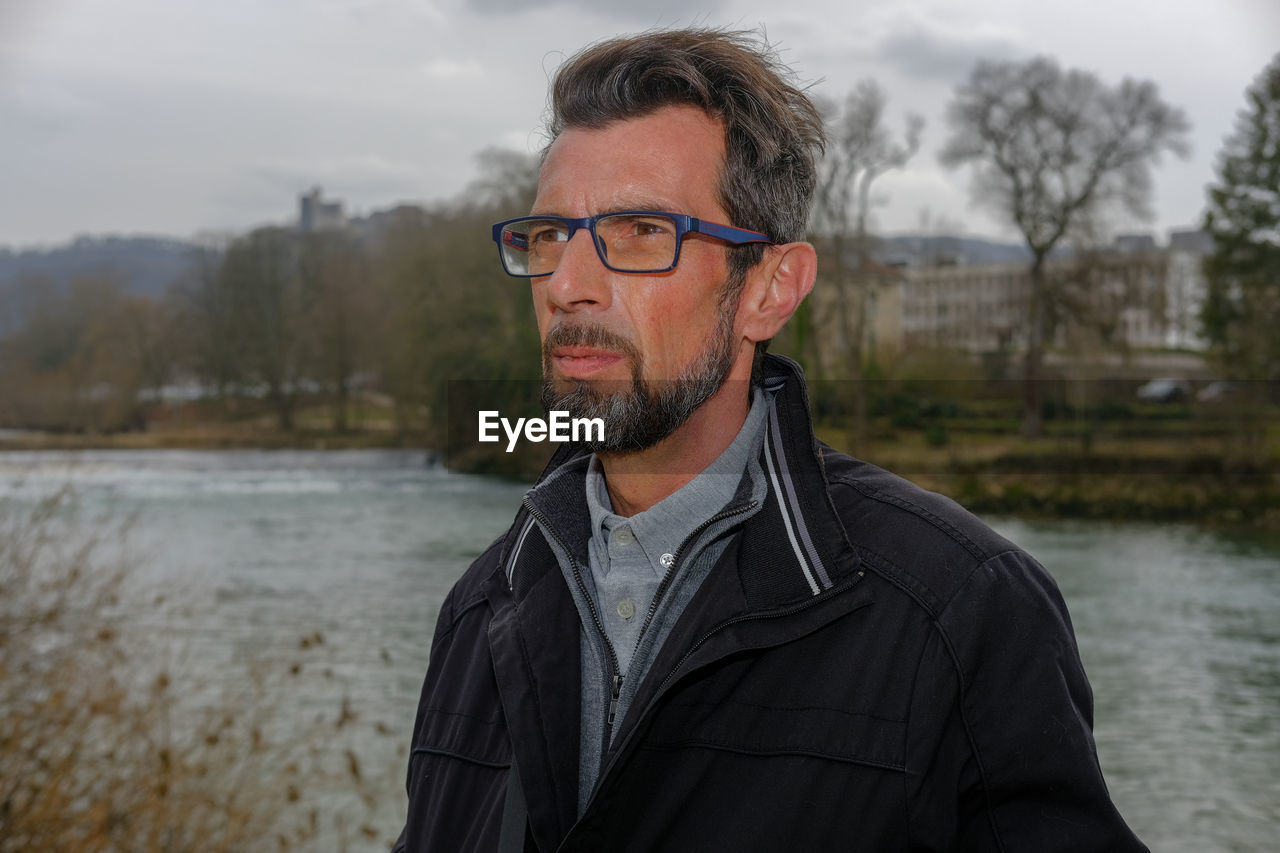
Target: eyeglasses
{"type": "Point", "coordinates": [643, 241]}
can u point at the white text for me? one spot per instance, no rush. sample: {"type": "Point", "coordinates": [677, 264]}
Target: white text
{"type": "Point", "coordinates": [558, 427]}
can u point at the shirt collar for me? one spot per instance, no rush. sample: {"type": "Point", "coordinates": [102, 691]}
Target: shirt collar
{"type": "Point", "coordinates": [664, 526]}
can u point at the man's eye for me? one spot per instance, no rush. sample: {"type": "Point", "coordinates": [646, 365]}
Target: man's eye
{"type": "Point", "coordinates": [547, 234]}
{"type": "Point", "coordinates": [640, 226]}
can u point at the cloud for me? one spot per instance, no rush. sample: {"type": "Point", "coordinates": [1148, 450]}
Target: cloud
{"type": "Point", "coordinates": [19, 20]}
{"type": "Point", "coordinates": [426, 9]}
{"type": "Point", "coordinates": [921, 51]}
{"type": "Point", "coordinates": [444, 68]}
{"type": "Point", "coordinates": [42, 111]}
{"type": "Point", "coordinates": [651, 13]}
{"type": "Point", "coordinates": [359, 177]}
{"type": "Point", "coordinates": [529, 140]}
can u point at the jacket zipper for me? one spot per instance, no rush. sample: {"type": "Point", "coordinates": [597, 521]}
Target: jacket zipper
{"type": "Point", "coordinates": [667, 578]}
{"type": "Point", "coordinates": [737, 620]}
{"type": "Point", "coordinates": [615, 687]}
{"type": "Point", "coordinates": [752, 617]}
{"type": "Point", "coordinates": [670, 574]}
{"type": "Point", "coordinates": [615, 676]}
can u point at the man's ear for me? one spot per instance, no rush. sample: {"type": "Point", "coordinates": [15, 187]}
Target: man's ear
{"type": "Point", "coordinates": [774, 289]}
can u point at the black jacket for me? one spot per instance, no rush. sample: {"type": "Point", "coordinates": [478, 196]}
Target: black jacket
{"type": "Point", "coordinates": [868, 668]}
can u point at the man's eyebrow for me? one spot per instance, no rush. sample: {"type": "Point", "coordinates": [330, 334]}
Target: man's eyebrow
{"type": "Point", "coordinates": [631, 204]}
{"type": "Point", "coordinates": [643, 204]}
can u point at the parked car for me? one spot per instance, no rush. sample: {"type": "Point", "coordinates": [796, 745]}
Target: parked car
{"type": "Point", "coordinates": [1165, 391]}
{"type": "Point", "coordinates": [1221, 391]}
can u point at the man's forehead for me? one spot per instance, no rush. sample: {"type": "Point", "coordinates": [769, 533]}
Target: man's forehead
{"type": "Point", "coordinates": [657, 161]}
{"type": "Point", "coordinates": [625, 198]}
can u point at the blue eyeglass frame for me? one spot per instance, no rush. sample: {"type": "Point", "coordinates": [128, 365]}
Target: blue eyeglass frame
{"type": "Point", "coordinates": [684, 225]}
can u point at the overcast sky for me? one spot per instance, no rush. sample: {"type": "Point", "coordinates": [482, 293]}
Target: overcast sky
{"type": "Point", "coordinates": [172, 117]}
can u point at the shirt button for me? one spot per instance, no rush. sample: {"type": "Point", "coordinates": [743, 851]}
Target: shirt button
{"type": "Point", "coordinates": [626, 608]}
{"type": "Point", "coordinates": [667, 560]}
{"type": "Point", "coordinates": [624, 536]}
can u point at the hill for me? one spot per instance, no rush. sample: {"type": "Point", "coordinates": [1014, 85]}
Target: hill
{"type": "Point", "coordinates": [919, 249]}
{"type": "Point", "coordinates": [145, 265]}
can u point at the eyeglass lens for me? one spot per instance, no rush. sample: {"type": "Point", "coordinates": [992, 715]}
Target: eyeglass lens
{"type": "Point", "coordinates": [626, 242]}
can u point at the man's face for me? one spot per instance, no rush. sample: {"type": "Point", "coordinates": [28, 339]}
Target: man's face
{"type": "Point", "coordinates": [641, 351]}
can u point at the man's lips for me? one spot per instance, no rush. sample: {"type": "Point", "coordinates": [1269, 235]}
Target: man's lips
{"type": "Point", "coordinates": [583, 362]}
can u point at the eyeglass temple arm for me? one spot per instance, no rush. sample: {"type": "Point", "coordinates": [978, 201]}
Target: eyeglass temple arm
{"type": "Point", "coordinates": [727, 232]}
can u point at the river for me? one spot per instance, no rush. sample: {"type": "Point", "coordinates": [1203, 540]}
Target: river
{"type": "Point", "coordinates": [340, 559]}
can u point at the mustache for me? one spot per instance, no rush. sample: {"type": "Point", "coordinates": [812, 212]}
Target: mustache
{"type": "Point", "coordinates": [593, 335]}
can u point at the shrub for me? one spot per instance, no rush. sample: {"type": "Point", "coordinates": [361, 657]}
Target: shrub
{"type": "Point", "coordinates": [102, 747]}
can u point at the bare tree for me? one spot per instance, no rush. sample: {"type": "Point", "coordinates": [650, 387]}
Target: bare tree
{"type": "Point", "coordinates": [260, 274]}
{"type": "Point", "coordinates": [71, 363]}
{"type": "Point", "coordinates": [859, 150]}
{"type": "Point", "coordinates": [209, 344]}
{"type": "Point", "coordinates": [508, 180]}
{"type": "Point", "coordinates": [437, 273]}
{"type": "Point", "coordinates": [338, 316]}
{"type": "Point", "coordinates": [1052, 150]}
{"type": "Point", "coordinates": [151, 330]}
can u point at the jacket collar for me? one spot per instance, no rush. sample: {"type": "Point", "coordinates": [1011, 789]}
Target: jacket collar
{"type": "Point", "coordinates": [799, 528]}
{"type": "Point", "coordinates": [798, 482]}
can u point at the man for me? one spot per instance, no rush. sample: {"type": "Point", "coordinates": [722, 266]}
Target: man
{"type": "Point", "coordinates": [709, 631]}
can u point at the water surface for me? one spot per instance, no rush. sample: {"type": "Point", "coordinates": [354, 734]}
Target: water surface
{"type": "Point", "coordinates": [1179, 627]}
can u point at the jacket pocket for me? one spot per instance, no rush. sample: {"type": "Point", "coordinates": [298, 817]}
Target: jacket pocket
{"type": "Point", "coordinates": [457, 782]}
{"type": "Point", "coordinates": [737, 775]}
{"type": "Point", "coordinates": [474, 740]}
{"type": "Point", "coordinates": [779, 728]}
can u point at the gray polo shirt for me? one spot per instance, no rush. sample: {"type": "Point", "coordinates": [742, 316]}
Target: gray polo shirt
{"type": "Point", "coordinates": [630, 556]}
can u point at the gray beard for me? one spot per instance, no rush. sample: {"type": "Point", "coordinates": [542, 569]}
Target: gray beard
{"type": "Point", "coordinates": [636, 415]}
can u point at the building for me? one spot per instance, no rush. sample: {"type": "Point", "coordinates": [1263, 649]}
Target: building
{"type": "Point", "coordinates": [1187, 289]}
{"type": "Point", "coordinates": [316, 214]}
{"type": "Point", "coordinates": [971, 308]}
{"type": "Point", "coordinates": [876, 290]}
{"type": "Point", "coordinates": [1132, 295]}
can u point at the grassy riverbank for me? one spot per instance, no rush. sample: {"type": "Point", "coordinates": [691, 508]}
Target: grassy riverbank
{"type": "Point", "coordinates": [1112, 458]}
{"type": "Point", "coordinates": [1164, 480]}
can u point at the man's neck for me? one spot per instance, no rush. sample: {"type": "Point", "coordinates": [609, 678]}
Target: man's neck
{"type": "Point", "coordinates": [637, 481]}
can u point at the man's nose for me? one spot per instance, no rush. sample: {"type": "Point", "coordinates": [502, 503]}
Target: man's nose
{"type": "Point", "coordinates": [580, 281]}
